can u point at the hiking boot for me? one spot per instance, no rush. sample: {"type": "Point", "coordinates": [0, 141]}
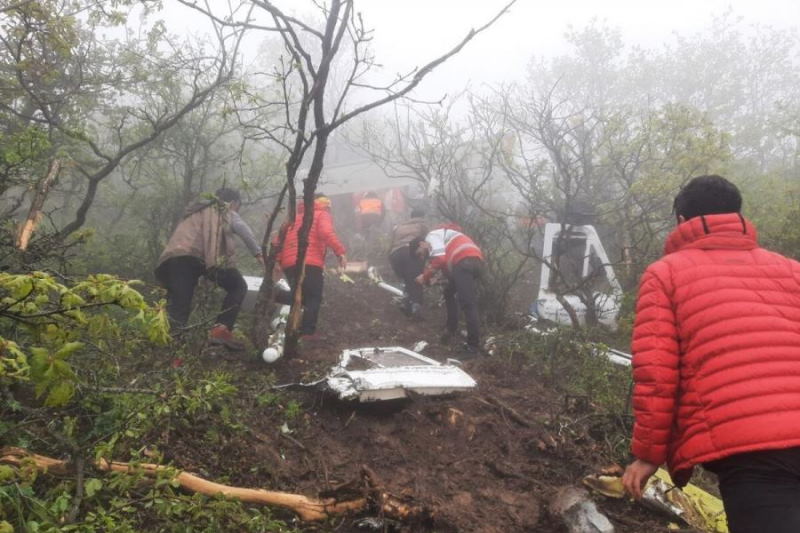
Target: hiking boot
{"type": "Point", "coordinates": [222, 336]}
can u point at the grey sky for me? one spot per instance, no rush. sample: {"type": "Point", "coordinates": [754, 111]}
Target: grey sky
{"type": "Point", "coordinates": [409, 33]}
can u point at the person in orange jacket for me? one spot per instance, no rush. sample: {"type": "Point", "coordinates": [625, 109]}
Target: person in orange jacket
{"type": "Point", "coordinates": [450, 251]}
{"type": "Point", "coordinates": [321, 237]}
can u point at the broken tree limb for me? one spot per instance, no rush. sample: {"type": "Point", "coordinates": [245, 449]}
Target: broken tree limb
{"type": "Point", "coordinates": [27, 228]}
{"type": "Point", "coordinates": [512, 413]}
{"type": "Point", "coordinates": [308, 509]}
{"type": "Point", "coordinates": [389, 504]}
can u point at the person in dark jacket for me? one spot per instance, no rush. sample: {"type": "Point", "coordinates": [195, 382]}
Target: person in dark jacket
{"type": "Point", "coordinates": [406, 264]}
{"type": "Point", "coordinates": [202, 245]}
{"type": "Point", "coordinates": [321, 237]}
{"type": "Point", "coordinates": [716, 362]}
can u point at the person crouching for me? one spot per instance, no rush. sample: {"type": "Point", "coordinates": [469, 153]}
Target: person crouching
{"type": "Point", "coordinates": [456, 255]}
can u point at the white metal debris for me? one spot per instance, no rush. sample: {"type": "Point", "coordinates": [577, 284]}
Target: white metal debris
{"type": "Point", "coordinates": [373, 274]}
{"type": "Point", "coordinates": [388, 373]}
{"type": "Point", "coordinates": [253, 285]}
{"type": "Point", "coordinates": [590, 266]}
{"type": "Point", "coordinates": [578, 512]}
{"type": "Point", "coordinates": [274, 350]}
{"type": "Point", "coordinates": [618, 357]}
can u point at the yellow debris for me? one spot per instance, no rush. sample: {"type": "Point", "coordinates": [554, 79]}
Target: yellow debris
{"type": "Point", "coordinates": [693, 505]}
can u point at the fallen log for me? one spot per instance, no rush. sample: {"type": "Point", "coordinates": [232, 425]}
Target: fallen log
{"type": "Point", "coordinates": [308, 509]}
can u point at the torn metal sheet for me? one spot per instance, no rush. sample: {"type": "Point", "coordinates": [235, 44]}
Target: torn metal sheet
{"type": "Point", "coordinates": [388, 373]}
{"type": "Point", "coordinates": [254, 285]}
{"type": "Point", "coordinates": [691, 504]}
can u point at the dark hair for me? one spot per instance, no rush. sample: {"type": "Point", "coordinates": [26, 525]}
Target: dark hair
{"type": "Point", "coordinates": [228, 195]}
{"type": "Point", "coordinates": [707, 195]}
{"type": "Point", "coordinates": [414, 244]}
{"type": "Point", "coordinates": [417, 213]}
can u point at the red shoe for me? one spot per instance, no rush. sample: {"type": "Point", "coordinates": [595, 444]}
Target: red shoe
{"type": "Point", "coordinates": [222, 336]}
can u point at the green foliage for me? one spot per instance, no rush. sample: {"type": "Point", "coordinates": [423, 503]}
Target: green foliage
{"type": "Point", "coordinates": [568, 360]}
{"type": "Point", "coordinates": [20, 152]}
{"type": "Point", "coordinates": [124, 504]}
{"type": "Point", "coordinates": [44, 322]}
{"type": "Point", "coordinates": [595, 391]}
{"type": "Point", "coordinates": [292, 410]}
{"type": "Point", "coordinates": [185, 406]}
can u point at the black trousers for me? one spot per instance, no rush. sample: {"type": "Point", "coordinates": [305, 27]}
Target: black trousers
{"type": "Point", "coordinates": [407, 267]}
{"type": "Point", "coordinates": [312, 295]}
{"type": "Point", "coordinates": [463, 285]}
{"type": "Point", "coordinates": [180, 275]}
{"type": "Point", "coordinates": [760, 490]}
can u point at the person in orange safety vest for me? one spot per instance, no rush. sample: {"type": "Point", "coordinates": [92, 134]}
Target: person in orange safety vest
{"type": "Point", "coordinates": [370, 213]}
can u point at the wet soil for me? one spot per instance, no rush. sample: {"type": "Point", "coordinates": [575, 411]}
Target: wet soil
{"type": "Point", "coordinates": [484, 461]}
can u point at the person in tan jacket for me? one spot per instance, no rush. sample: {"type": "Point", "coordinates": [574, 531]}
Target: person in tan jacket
{"type": "Point", "coordinates": [202, 245]}
{"type": "Point", "coordinates": [406, 264]}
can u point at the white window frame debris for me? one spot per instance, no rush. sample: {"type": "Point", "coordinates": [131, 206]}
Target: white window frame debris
{"type": "Point", "coordinates": [253, 286]}
{"type": "Point", "coordinates": [424, 376]}
{"type": "Point", "coordinates": [548, 307]}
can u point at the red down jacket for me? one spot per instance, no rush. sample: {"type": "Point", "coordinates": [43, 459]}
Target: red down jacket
{"type": "Point", "coordinates": [321, 237]}
{"type": "Point", "coordinates": [716, 346]}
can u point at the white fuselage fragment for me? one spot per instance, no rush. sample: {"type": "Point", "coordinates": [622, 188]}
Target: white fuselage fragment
{"type": "Point", "coordinates": [388, 373]}
{"type": "Point", "coordinates": [591, 265]}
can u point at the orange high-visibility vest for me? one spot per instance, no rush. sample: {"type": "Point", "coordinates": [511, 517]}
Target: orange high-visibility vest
{"type": "Point", "coordinates": [372, 206]}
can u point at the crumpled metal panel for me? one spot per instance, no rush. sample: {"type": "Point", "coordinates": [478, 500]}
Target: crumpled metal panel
{"type": "Point", "coordinates": [387, 373]}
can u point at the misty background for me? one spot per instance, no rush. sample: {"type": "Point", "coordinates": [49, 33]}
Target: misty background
{"type": "Point", "coordinates": [594, 110]}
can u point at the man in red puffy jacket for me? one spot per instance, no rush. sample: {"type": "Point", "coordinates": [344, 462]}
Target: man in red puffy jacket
{"type": "Point", "coordinates": [716, 362]}
{"type": "Point", "coordinates": [321, 237]}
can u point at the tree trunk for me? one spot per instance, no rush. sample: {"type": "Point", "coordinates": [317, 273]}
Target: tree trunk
{"type": "Point", "coordinates": [309, 189]}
